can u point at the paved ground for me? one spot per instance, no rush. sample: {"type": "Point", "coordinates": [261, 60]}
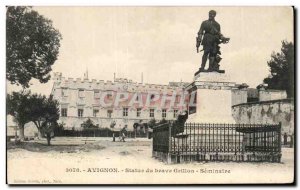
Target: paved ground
{"type": "Point", "coordinates": [82, 160]}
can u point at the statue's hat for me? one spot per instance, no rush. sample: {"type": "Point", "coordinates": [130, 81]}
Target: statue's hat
{"type": "Point", "coordinates": [212, 12]}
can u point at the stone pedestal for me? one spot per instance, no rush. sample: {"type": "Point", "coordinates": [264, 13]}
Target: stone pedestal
{"type": "Point", "coordinates": [213, 92]}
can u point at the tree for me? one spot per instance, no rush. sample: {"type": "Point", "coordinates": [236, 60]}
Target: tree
{"type": "Point", "coordinates": [26, 107]}
{"type": "Point", "coordinates": [44, 113]}
{"type": "Point", "coordinates": [18, 106]}
{"type": "Point", "coordinates": [51, 115]}
{"type": "Point", "coordinates": [163, 121]}
{"type": "Point", "coordinates": [282, 69]}
{"type": "Point", "coordinates": [89, 124]}
{"type": "Point", "coordinates": [32, 46]}
{"type": "Point", "coordinates": [60, 128]}
{"type": "Point", "coordinates": [152, 123]}
{"type": "Point", "coordinates": [37, 104]}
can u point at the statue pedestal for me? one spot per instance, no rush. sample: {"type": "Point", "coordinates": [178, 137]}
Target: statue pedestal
{"type": "Point", "coordinates": [213, 98]}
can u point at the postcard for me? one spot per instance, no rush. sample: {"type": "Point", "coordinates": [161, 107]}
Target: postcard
{"type": "Point", "coordinates": [150, 95]}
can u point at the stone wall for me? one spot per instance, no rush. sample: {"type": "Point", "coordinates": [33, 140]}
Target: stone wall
{"type": "Point", "coordinates": [270, 112]}
{"type": "Point", "coordinates": [267, 95]}
{"type": "Point", "coordinates": [239, 96]}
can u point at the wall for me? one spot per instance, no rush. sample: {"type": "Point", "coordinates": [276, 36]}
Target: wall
{"type": "Point", "coordinates": [30, 129]}
{"type": "Point", "coordinates": [267, 95]}
{"type": "Point", "coordinates": [239, 96]}
{"type": "Point", "coordinates": [66, 91]}
{"type": "Point", "coordinates": [271, 112]}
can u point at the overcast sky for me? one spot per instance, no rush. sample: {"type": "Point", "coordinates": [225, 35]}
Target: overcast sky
{"type": "Point", "coordinates": [160, 42]}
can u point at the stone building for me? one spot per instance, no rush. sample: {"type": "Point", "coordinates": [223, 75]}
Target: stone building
{"type": "Point", "coordinates": [125, 102]}
{"type": "Point", "coordinates": [121, 101]}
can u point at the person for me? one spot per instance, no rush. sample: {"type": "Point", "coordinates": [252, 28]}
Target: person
{"type": "Point", "coordinates": [123, 136]}
{"type": "Point", "coordinates": [209, 36]}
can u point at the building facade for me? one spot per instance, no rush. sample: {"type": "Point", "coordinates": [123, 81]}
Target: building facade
{"type": "Point", "coordinates": [124, 103]}
{"type": "Point", "coordinates": [121, 101]}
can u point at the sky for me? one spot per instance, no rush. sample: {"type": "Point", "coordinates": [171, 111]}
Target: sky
{"type": "Point", "coordinates": [160, 42]}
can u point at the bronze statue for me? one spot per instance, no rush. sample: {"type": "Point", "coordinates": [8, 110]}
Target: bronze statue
{"type": "Point", "coordinates": [209, 36]}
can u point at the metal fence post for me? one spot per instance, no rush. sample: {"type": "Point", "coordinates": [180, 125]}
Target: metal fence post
{"type": "Point", "coordinates": [279, 142]}
{"type": "Point", "coordinates": [169, 160]}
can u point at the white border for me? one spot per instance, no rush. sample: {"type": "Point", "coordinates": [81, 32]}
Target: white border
{"type": "Point", "coordinates": [3, 3]}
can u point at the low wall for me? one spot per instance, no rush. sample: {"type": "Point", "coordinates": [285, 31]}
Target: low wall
{"type": "Point", "coordinates": [269, 112]}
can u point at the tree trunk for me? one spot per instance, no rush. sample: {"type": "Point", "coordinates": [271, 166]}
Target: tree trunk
{"type": "Point", "coordinates": [21, 134]}
{"type": "Point", "coordinates": [40, 136]}
{"type": "Point", "coordinates": [38, 126]}
{"type": "Point", "coordinates": [48, 139]}
{"type": "Point", "coordinates": [16, 135]}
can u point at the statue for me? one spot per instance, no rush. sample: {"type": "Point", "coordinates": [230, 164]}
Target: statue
{"type": "Point", "coordinates": [210, 31]}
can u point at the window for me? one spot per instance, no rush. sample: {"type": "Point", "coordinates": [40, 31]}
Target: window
{"type": "Point", "coordinates": [109, 96]}
{"type": "Point", "coordinates": [64, 92]}
{"type": "Point", "coordinates": [164, 113]}
{"type": "Point", "coordinates": [125, 112]}
{"type": "Point", "coordinates": [175, 113]}
{"type": "Point", "coordinates": [137, 97]}
{"type": "Point", "coordinates": [64, 112]}
{"type": "Point", "coordinates": [151, 112]}
{"type": "Point", "coordinates": [80, 112]}
{"type": "Point", "coordinates": [138, 112]}
{"type": "Point", "coordinates": [81, 93]}
{"type": "Point", "coordinates": [109, 113]}
{"type": "Point", "coordinates": [95, 112]}
{"type": "Point", "coordinates": [96, 94]}
{"type": "Point", "coordinates": [177, 99]}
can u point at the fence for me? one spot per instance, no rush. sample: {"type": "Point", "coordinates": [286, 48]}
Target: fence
{"type": "Point", "coordinates": [105, 132]}
{"type": "Point", "coordinates": [287, 140]}
{"type": "Point", "coordinates": [218, 142]}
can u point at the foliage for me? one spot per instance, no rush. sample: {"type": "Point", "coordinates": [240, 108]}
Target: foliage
{"type": "Point", "coordinates": [152, 123]}
{"type": "Point", "coordinates": [44, 112]}
{"type": "Point", "coordinates": [32, 45]}
{"type": "Point", "coordinates": [26, 107]}
{"type": "Point", "coordinates": [282, 69]}
{"type": "Point", "coordinates": [89, 124]}
{"type": "Point", "coordinates": [112, 124]}
{"type": "Point", "coordinates": [163, 121]}
{"type": "Point", "coordinates": [61, 126]}
{"type": "Point", "coordinates": [46, 120]}
{"type": "Point", "coordinates": [18, 106]}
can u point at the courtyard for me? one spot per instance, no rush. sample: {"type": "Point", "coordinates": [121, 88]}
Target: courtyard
{"type": "Point", "coordinates": [101, 161]}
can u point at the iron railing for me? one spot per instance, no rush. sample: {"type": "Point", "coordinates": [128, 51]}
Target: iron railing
{"type": "Point", "coordinates": [219, 142]}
